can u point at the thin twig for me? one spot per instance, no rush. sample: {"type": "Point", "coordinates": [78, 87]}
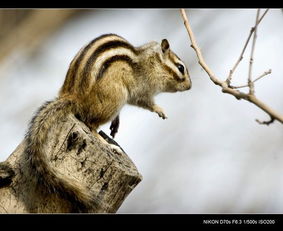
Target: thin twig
{"type": "Point", "coordinates": [250, 82]}
{"type": "Point", "coordinates": [223, 84]}
{"type": "Point", "coordinates": [266, 122]}
{"type": "Point", "coordinates": [262, 16]}
{"type": "Point", "coordinates": [256, 79]}
{"type": "Point", "coordinates": [229, 78]}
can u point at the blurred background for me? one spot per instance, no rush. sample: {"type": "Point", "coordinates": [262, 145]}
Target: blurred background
{"type": "Point", "coordinates": [209, 156]}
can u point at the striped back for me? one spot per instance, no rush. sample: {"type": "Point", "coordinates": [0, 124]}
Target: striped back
{"type": "Point", "coordinates": [92, 61]}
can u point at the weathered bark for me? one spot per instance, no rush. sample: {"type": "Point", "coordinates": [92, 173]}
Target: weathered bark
{"type": "Point", "coordinates": [76, 153]}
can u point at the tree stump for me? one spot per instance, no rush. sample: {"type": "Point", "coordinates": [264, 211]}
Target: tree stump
{"type": "Point", "coordinates": [75, 153]}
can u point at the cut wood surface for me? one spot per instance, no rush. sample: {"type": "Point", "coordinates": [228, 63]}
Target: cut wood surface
{"type": "Point", "coordinates": [75, 153]}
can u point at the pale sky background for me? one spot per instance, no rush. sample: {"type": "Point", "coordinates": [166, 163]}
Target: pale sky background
{"type": "Point", "coordinates": [210, 156]}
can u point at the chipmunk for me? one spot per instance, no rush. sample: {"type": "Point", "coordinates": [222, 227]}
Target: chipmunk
{"type": "Point", "coordinates": [105, 75]}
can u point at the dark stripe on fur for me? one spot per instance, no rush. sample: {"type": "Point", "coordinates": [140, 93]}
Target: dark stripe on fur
{"type": "Point", "coordinates": [173, 73]}
{"type": "Point", "coordinates": [113, 59]}
{"type": "Point", "coordinates": [86, 76]}
{"type": "Point", "coordinates": [69, 83]}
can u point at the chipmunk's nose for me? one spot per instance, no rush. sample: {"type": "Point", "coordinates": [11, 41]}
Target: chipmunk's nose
{"type": "Point", "coordinates": [188, 84]}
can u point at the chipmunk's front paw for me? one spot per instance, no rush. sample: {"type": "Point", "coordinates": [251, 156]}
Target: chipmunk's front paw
{"type": "Point", "coordinates": [160, 112]}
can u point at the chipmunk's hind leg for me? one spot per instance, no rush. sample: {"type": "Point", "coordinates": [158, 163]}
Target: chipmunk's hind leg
{"type": "Point", "coordinates": [115, 126]}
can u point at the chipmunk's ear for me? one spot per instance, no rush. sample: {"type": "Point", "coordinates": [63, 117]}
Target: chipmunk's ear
{"type": "Point", "coordinates": [164, 45]}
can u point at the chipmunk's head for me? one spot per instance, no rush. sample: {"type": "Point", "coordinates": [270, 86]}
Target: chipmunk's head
{"type": "Point", "coordinates": [175, 73]}
{"type": "Point", "coordinates": [167, 69]}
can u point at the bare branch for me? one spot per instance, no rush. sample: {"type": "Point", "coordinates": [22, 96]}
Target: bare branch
{"type": "Point", "coordinates": [266, 122]}
{"type": "Point", "coordinates": [250, 82]}
{"type": "Point", "coordinates": [224, 84]}
{"type": "Point", "coordinates": [229, 78]}
{"type": "Point", "coordinates": [258, 78]}
{"type": "Point", "coordinates": [197, 50]}
{"type": "Point", "coordinates": [263, 15]}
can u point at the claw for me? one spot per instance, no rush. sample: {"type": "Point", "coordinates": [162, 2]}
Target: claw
{"type": "Point", "coordinates": [162, 115]}
{"type": "Point", "coordinates": [160, 112]}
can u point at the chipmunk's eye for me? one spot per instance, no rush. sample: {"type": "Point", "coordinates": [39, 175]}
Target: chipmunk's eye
{"type": "Point", "coordinates": [180, 68]}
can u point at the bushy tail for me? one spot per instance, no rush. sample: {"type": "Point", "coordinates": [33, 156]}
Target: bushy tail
{"type": "Point", "coordinates": [45, 174]}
